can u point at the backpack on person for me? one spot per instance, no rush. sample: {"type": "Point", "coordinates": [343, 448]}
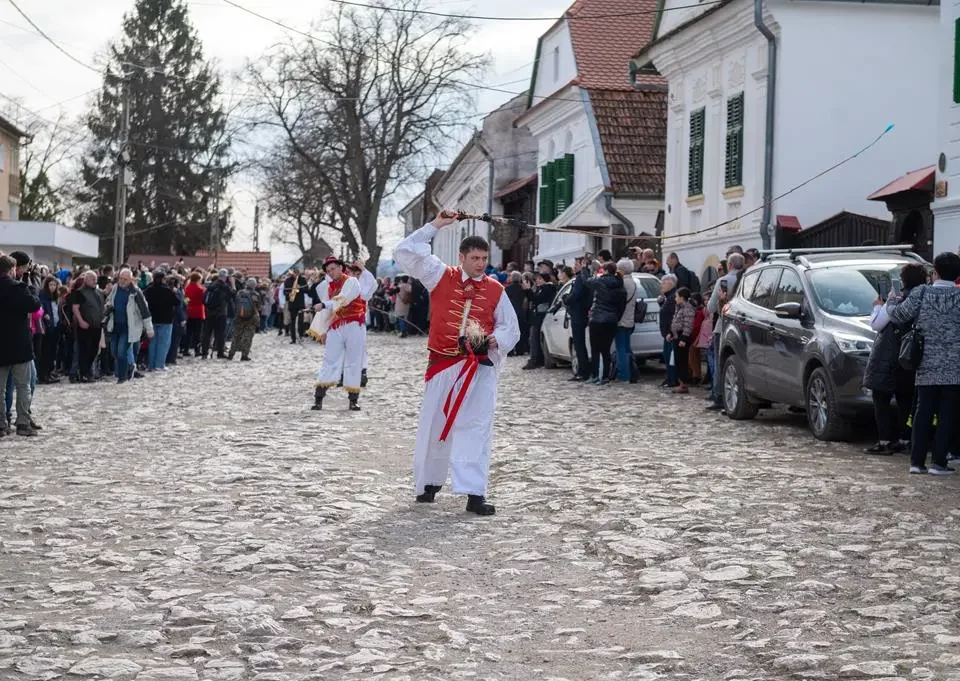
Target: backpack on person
{"type": "Point", "coordinates": [246, 307]}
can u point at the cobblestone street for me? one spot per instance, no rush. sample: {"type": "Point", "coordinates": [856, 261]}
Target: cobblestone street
{"type": "Point", "coordinates": [205, 524]}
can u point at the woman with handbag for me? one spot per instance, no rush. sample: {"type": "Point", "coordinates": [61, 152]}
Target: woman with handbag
{"type": "Point", "coordinates": [933, 348]}
{"type": "Point", "coordinates": [886, 378]}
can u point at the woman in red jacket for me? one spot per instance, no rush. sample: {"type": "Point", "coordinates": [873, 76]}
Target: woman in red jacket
{"type": "Point", "coordinates": [196, 312]}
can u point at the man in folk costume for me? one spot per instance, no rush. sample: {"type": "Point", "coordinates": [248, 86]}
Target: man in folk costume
{"type": "Point", "coordinates": [472, 329]}
{"type": "Point", "coordinates": [368, 286]}
{"type": "Point", "coordinates": [341, 325]}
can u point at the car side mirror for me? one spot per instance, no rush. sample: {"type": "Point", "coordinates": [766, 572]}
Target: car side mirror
{"type": "Point", "coordinates": [789, 310]}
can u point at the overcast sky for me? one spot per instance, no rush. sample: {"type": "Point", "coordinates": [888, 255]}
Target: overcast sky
{"type": "Point", "coordinates": [48, 83]}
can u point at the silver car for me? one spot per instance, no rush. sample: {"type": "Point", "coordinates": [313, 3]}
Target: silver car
{"type": "Point", "coordinates": [556, 337]}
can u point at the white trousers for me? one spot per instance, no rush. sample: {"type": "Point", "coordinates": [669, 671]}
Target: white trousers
{"type": "Point", "coordinates": [345, 348]}
{"type": "Point", "coordinates": [466, 451]}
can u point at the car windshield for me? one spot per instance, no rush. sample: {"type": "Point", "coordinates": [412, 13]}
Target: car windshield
{"type": "Point", "coordinates": [651, 286]}
{"type": "Point", "coordinates": [851, 291]}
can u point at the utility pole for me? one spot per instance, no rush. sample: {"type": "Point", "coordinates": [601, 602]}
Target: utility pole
{"type": "Point", "coordinates": [215, 222]}
{"type": "Point", "coordinates": [256, 227]}
{"type": "Point", "coordinates": [123, 159]}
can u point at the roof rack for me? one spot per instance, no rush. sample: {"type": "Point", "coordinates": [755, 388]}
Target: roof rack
{"type": "Point", "coordinates": [796, 253]}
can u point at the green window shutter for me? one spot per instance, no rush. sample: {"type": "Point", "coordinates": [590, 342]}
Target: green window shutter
{"type": "Point", "coordinates": [564, 182]}
{"type": "Point", "coordinates": [698, 121]}
{"type": "Point", "coordinates": [543, 205]}
{"type": "Point", "coordinates": [560, 186]}
{"type": "Point", "coordinates": [549, 208]}
{"type": "Point", "coordinates": [956, 62]}
{"type": "Point", "coordinates": [568, 166]}
{"type": "Point", "coordinates": [733, 168]}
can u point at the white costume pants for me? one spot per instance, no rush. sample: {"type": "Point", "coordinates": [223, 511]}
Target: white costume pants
{"type": "Point", "coordinates": [466, 451]}
{"type": "Point", "coordinates": [345, 348]}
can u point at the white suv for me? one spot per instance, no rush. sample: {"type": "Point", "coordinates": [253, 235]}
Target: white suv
{"type": "Point", "coordinates": [556, 338]}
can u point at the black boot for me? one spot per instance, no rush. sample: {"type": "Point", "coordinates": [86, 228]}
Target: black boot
{"type": "Point", "coordinates": [354, 399]}
{"type": "Point", "coordinates": [318, 396]}
{"type": "Point", "coordinates": [429, 494]}
{"type": "Point", "coordinates": [363, 378]}
{"type": "Point", "coordinates": [477, 504]}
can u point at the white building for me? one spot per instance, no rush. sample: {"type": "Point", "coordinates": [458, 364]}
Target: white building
{"type": "Point", "coordinates": [946, 205]}
{"type": "Point", "coordinates": [493, 159]}
{"type": "Point", "coordinates": [600, 139]}
{"type": "Point", "coordinates": [48, 243]}
{"type": "Point", "coordinates": [844, 71]}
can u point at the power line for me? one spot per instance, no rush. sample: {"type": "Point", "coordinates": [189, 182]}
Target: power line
{"type": "Point", "coordinates": [49, 39]}
{"type": "Point", "coordinates": [321, 41]}
{"type": "Point", "coordinates": [567, 15]}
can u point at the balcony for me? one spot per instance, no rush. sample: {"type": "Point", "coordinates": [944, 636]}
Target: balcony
{"type": "Point", "coordinates": [14, 185]}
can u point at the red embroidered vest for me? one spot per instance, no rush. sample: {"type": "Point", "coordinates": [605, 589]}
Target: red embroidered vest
{"type": "Point", "coordinates": [447, 301]}
{"type": "Point", "coordinates": [355, 311]}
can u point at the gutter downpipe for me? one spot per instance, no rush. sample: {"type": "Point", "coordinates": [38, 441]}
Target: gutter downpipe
{"type": "Point", "coordinates": [769, 131]}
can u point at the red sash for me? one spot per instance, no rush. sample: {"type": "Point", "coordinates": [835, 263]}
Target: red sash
{"type": "Point", "coordinates": [455, 398]}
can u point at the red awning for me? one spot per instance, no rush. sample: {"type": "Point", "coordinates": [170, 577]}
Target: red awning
{"type": "Point", "coordinates": [916, 180]}
{"type": "Point", "coordinates": [789, 222]}
{"type": "Point", "coordinates": [511, 187]}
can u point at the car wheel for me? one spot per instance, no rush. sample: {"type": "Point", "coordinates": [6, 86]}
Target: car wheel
{"type": "Point", "coordinates": [548, 361]}
{"type": "Point", "coordinates": [825, 422]}
{"type": "Point", "coordinates": [735, 400]}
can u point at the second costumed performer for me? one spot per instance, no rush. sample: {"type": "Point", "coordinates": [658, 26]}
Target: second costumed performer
{"type": "Point", "coordinates": [340, 324]}
{"type": "Point", "coordinates": [473, 327]}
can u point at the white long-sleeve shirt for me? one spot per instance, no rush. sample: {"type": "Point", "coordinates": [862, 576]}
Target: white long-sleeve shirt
{"type": "Point", "coordinates": [415, 257]}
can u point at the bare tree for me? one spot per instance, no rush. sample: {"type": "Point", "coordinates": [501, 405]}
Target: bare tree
{"type": "Point", "coordinates": [45, 185]}
{"type": "Point", "coordinates": [301, 209]}
{"type": "Point", "coordinates": [362, 100]}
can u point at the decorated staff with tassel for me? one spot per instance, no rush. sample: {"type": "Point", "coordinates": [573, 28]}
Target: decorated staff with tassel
{"type": "Point", "coordinates": [472, 329]}
{"type": "Point", "coordinates": [340, 324]}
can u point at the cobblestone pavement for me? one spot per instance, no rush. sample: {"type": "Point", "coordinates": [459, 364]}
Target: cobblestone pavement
{"type": "Point", "coordinates": [204, 524]}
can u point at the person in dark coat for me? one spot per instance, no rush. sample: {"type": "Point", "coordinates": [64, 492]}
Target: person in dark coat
{"type": "Point", "coordinates": [685, 278]}
{"type": "Point", "coordinates": [540, 297]}
{"type": "Point", "coordinates": [578, 304]}
{"type": "Point", "coordinates": [17, 303]}
{"type": "Point", "coordinates": [517, 296]}
{"type": "Point", "coordinates": [609, 300]}
{"type": "Point", "coordinates": [884, 376]}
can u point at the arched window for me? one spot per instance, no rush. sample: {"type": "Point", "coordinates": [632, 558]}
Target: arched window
{"type": "Point", "coordinates": [551, 150]}
{"type": "Point", "coordinates": [568, 142]}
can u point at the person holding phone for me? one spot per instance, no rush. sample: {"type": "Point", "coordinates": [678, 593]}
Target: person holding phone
{"type": "Point", "coordinates": [884, 376]}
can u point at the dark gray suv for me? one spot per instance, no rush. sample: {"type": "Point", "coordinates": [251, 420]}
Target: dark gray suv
{"type": "Point", "coordinates": [797, 332]}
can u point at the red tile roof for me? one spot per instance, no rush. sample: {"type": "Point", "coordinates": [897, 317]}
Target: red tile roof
{"type": "Point", "coordinates": [915, 180]}
{"type": "Point", "coordinates": [606, 35]}
{"type": "Point", "coordinates": [253, 263]}
{"type": "Point", "coordinates": [633, 133]}
{"type": "Point", "coordinates": [789, 222]}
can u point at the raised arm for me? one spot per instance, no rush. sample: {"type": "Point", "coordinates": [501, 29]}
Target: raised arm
{"type": "Point", "coordinates": [349, 293]}
{"type": "Point", "coordinates": [368, 285]}
{"type": "Point", "coordinates": [907, 309]}
{"type": "Point", "coordinates": [416, 257]}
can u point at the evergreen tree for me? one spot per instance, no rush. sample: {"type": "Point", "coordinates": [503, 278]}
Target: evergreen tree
{"type": "Point", "coordinates": [178, 139]}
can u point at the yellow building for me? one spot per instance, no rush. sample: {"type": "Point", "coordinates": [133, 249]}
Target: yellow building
{"type": "Point", "coordinates": [10, 136]}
